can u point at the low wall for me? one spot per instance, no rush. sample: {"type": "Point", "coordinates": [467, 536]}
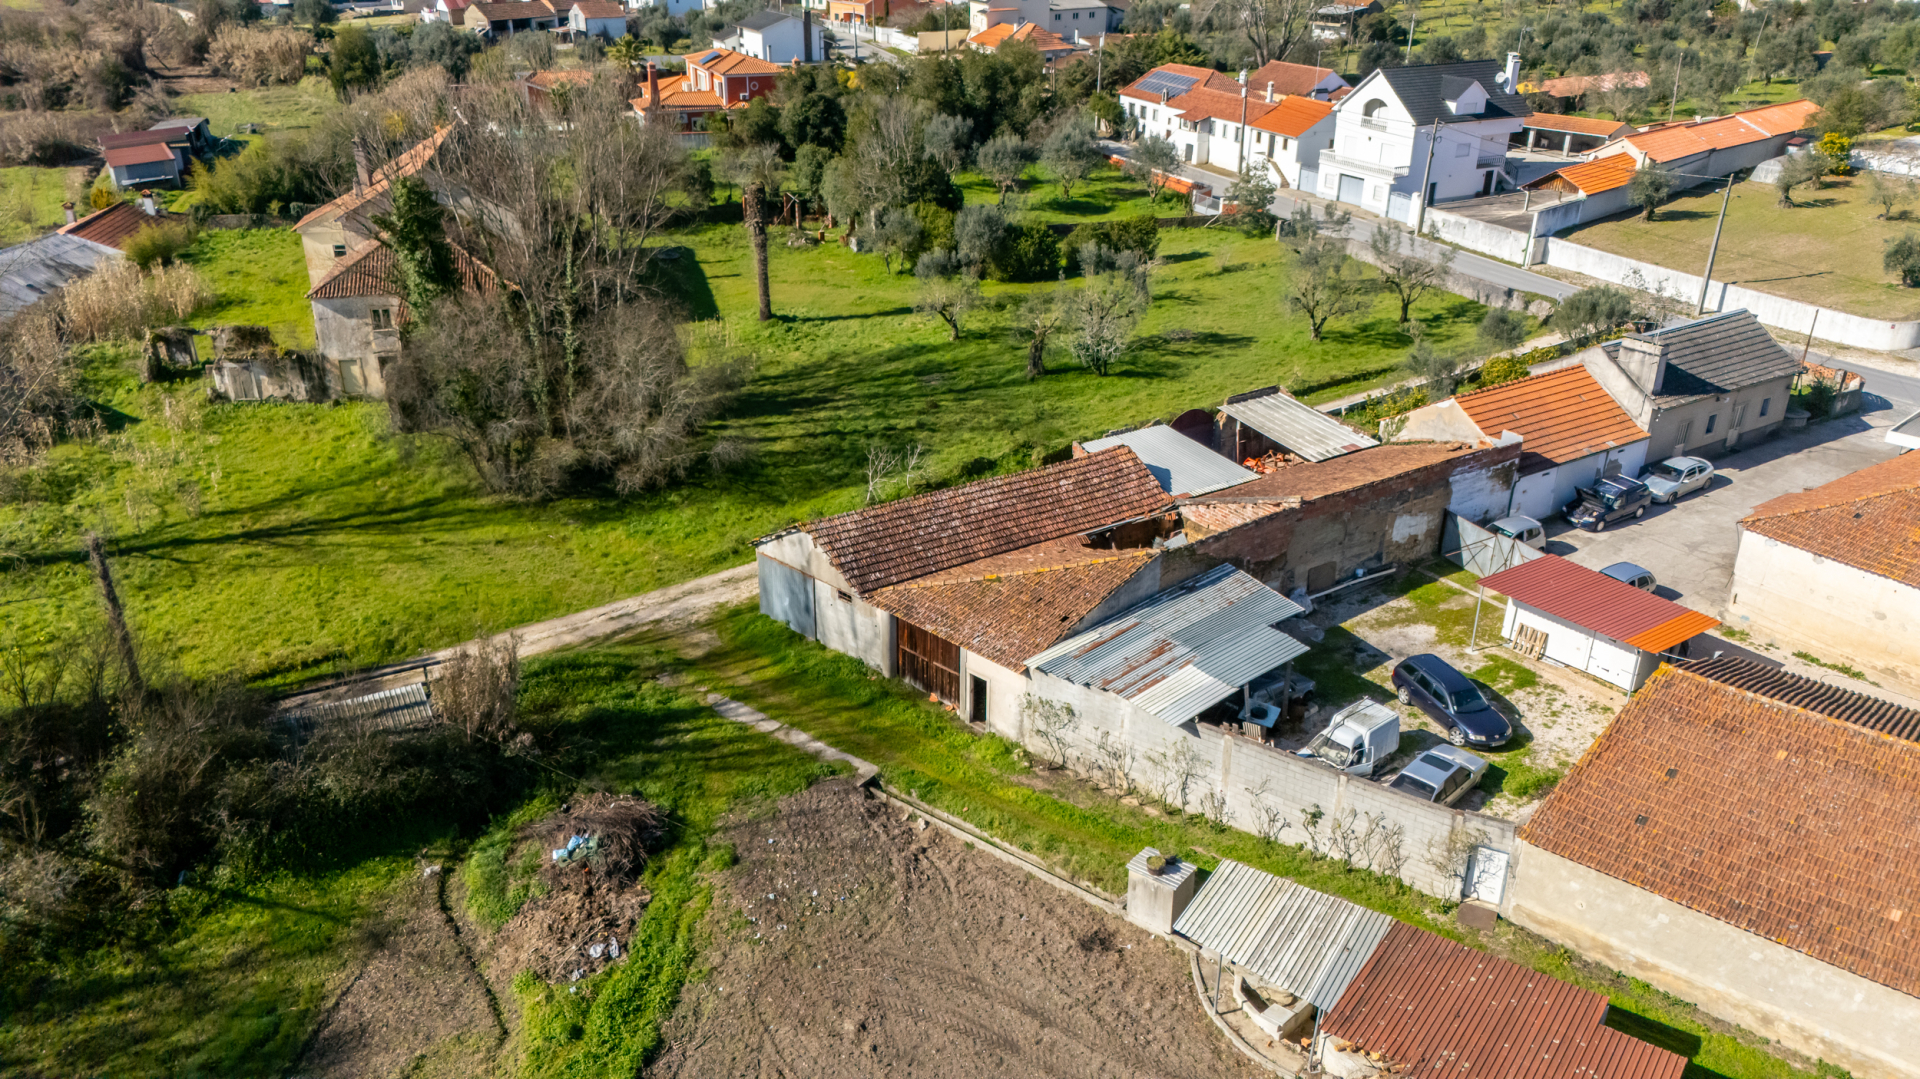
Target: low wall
{"type": "Point", "coordinates": [1463, 284]}
{"type": "Point", "coordinates": [1792, 998]}
{"type": "Point", "coordinates": [1794, 316]}
{"type": "Point", "coordinates": [1508, 245]}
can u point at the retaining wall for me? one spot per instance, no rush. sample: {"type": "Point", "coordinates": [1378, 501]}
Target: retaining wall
{"type": "Point", "coordinates": [1508, 245]}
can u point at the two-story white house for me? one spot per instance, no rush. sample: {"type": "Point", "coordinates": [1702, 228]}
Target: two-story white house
{"type": "Point", "coordinates": [1291, 137]}
{"type": "Point", "coordinates": [1073, 20]}
{"type": "Point", "coordinates": [1426, 134]}
{"type": "Point", "coordinates": [777, 38]}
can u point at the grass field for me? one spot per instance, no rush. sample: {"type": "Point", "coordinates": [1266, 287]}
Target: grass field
{"type": "Point", "coordinates": [275, 108]}
{"type": "Point", "coordinates": [1825, 250]}
{"type": "Point", "coordinates": [259, 277]}
{"type": "Point", "coordinates": [30, 200]}
{"type": "Point", "coordinates": [292, 540]}
{"type": "Point", "coordinates": [1105, 195]}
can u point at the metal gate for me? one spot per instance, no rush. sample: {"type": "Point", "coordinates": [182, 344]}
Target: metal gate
{"type": "Point", "coordinates": [1400, 207]}
{"type": "Point", "coordinates": [1352, 188]}
{"type": "Point", "coordinates": [1310, 181]}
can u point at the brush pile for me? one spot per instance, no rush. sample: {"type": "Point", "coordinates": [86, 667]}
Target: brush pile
{"type": "Point", "coordinates": [592, 853]}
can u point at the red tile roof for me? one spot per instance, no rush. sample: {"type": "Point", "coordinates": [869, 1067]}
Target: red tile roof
{"type": "Point", "coordinates": [1293, 116]}
{"type": "Point", "coordinates": [370, 270]}
{"type": "Point", "coordinates": [1800, 829]}
{"type": "Point", "coordinates": [599, 9]}
{"type": "Point", "coordinates": [116, 224]}
{"type": "Point", "coordinates": [728, 62]}
{"type": "Point", "coordinates": [1755, 125]}
{"type": "Point", "coordinates": [1593, 177]}
{"type": "Point", "coordinates": [1309, 480]}
{"type": "Point", "coordinates": [1012, 606]}
{"type": "Point", "coordinates": [1437, 1008]}
{"type": "Point", "coordinates": [1204, 76]}
{"type": "Point", "coordinates": [1575, 85]}
{"type": "Point", "coordinates": [1820, 698]}
{"type": "Point", "coordinates": [412, 160]}
{"type": "Point", "coordinates": [1000, 33]}
{"type": "Point", "coordinates": [144, 138]}
{"type": "Point", "coordinates": [1202, 103]}
{"type": "Point", "coordinates": [914, 537]}
{"type": "Point", "coordinates": [1564, 415]}
{"type": "Point", "coordinates": [1288, 79]}
{"type": "Point", "coordinates": [1869, 520]}
{"type": "Point", "coordinates": [1578, 125]}
{"type": "Point", "coordinates": [139, 154]}
{"type": "Point", "coordinates": [1595, 601]}
{"type": "Point", "coordinates": [678, 94]}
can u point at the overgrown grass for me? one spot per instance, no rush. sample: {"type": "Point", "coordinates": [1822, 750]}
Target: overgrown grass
{"type": "Point", "coordinates": [275, 108]}
{"type": "Point", "coordinates": [1106, 195]}
{"type": "Point", "coordinates": [1841, 668]}
{"type": "Point", "coordinates": [1090, 835]}
{"type": "Point", "coordinates": [30, 200]}
{"type": "Point", "coordinates": [292, 540]}
{"type": "Point", "coordinates": [258, 277]}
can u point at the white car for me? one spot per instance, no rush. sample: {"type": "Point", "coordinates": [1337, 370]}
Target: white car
{"type": "Point", "coordinates": [1442, 775]}
{"type": "Point", "coordinates": [1677, 476]}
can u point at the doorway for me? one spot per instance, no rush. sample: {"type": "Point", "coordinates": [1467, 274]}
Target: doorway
{"type": "Point", "coordinates": [977, 699]}
{"type": "Point", "coordinates": [930, 662]}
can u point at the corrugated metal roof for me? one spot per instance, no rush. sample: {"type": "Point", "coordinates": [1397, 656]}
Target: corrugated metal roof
{"type": "Point", "coordinates": [1437, 1007]}
{"type": "Point", "coordinates": [1597, 602]}
{"type": "Point", "coordinates": [1292, 937]}
{"type": "Point", "coordinates": [1299, 427]}
{"type": "Point", "coordinates": [404, 708]}
{"type": "Point", "coordinates": [34, 270]}
{"type": "Point", "coordinates": [1176, 871]}
{"type": "Point", "coordinates": [1181, 465]}
{"type": "Point", "coordinates": [1834, 702]}
{"type": "Point", "coordinates": [1184, 649]}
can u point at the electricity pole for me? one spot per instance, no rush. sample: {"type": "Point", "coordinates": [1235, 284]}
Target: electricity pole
{"type": "Point", "coordinates": [1240, 155]}
{"type": "Point", "coordinates": [1433, 138]}
{"type": "Point", "coordinates": [1706, 279]}
{"type": "Point", "coordinates": [1674, 102]}
{"type": "Point", "coordinates": [1413, 20]}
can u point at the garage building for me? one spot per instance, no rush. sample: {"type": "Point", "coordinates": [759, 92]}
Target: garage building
{"type": "Point", "coordinates": [1579, 618]}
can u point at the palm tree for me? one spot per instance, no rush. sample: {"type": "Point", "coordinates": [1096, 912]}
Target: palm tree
{"type": "Point", "coordinates": [759, 172]}
{"type": "Point", "coordinates": [629, 52]}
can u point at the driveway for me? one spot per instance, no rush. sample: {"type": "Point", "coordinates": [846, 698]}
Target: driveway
{"type": "Point", "coordinates": [1690, 546]}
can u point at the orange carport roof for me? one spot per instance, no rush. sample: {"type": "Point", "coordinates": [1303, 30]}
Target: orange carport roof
{"type": "Point", "coordinates": [1596, 602]}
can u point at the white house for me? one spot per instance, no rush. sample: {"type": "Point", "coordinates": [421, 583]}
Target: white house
{"type": "Point", "coordinates": [1586, 620]}
{"type": "Point", "coordinates": [597, 18]}
{"type": "Point", "coordinates": [1836, 570]}
{"type": "Point", "coordinates": [1073, 20]}
{"type": "Point", "coordinates": [1216, 119]}
{"type": "Point", "coordinates": [1572, 433]}
{"type": "Point", "coordinates": [1291, 136]}
{"type": "Point", "coordinates": [673, 7]}
{"type": "Point", "coordinates": [777, 38]}
{"type": "Point", "coordinates": [1429, 133]}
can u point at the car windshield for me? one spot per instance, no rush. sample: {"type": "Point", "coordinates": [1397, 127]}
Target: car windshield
{"type": "Point", "coordinates": [1419, 788]}
{"type": "Point", "coordinates": [1612, 491]}
{"type": "Point", "coordinates": [1666, 471]}
{"type": "Point", "coordinates": [1331, 751]}
{"type": "Point", "coordinates": [1468, 700]}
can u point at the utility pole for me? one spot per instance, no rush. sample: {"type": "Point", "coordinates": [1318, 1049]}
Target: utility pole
{"type": "Point", "coordinates": [1433, 138]}
{"type": "Point", "coordinates": [1706, 279]}
{"type": "Point", "coordinates": [1099, 62]}
{"type": "Point", "coordinates": [1241, 154]}
{"type": "Point", "coordinates": [1674, 102]}
{"type": "Point", "coordinates": [1413, 20]}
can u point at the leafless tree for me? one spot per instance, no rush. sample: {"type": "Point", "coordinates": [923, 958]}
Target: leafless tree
{"type": "Point", "coordinates": [890, 470]}
{"type": "Point", "coordinates": [1103, 312]}
{"type": "Point", "coordinates": [39, 384]}
{"type": "Point", "coordinates": [1269, 817]}
{"type": "Point", "coordinates": [1175, 771]}
{"type": "Point", "coordinates": [1404, 272]}
{"type": "Point", "coordinates": [1113, 759]}
{"type": "Point", "coordinates": [1449, 857]}
{"type": "Point", "coordinates": [1050, 722]}
{"type": "Point", "coordinates": [474, 692]}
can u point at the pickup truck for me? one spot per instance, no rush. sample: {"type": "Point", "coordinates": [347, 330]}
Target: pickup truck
{"type": "Point", "coordinates": [1609, 499]}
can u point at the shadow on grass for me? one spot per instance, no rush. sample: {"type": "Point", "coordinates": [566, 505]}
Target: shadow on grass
{"type": "Point", "coordinates": [1657, 1033]}
{"type": "Point", "coordinates": [685, 280]}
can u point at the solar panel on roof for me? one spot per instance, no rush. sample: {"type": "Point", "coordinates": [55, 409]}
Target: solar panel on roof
{"type": "Point", "coordinates": [709, 58]}
{"type": "Point", "coordinates": [1166, 82]}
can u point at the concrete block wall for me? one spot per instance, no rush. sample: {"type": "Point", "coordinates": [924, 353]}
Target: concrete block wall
{"type": "Point", "coordinates": [1508, 245]}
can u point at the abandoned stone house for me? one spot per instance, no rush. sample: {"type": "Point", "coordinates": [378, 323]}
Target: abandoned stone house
{"type": "Point", "coordinates": [358, 313]}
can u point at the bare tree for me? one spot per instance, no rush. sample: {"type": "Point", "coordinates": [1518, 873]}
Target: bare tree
{"type": "Point", "coordinates": [1449, 857]}
{"type": "Point", "coordinates": [1407, 274]}
{"type": "Point", "coordinates": [1326, 285]}
{"type": "Point", "coordinates": [759, 172]}
{"type": "Point", "coordinates": [945, 292]}
{"type": "Point", "coordinates": [1050, 722]}
{"type": "Point", "coordinates": [1105, 309]}
{"type": "Point", "coordinates": [1269, 817]}
{"type": "Point", "coordinates": [1272, 27]}
{"type": "Point", "coordinates": [1113, 758]}
{"type": "Point", "coordinates": [1040, 316]}
{"type": "Point", "coordinates": [889, 470]}
{"type": "Point", "coordinates": [475, 691]}
{"type": "Point", "coordinates": [1153, 162]}
{"type": "Point", "coordinates": [1175, 772]}
{"type": "Point", "coordinates": [1889, 192]}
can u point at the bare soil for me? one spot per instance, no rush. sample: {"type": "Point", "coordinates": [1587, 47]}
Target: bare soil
{"type": "Point", "coordinates": [849, 942]}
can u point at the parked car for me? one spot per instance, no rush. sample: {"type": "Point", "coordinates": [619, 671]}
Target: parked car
{"type": "Point", "coordinates": [1678, 476]}
{"type": "Point", "coordinates": [1359, 738]}
{"type": "Point", "coordinates": [1628, 573]}
{"type": "Point", "coordinates": [1431, 684]}
{"type": "Point", "coordinates": [1524, 529]}
{"type": "Point", "coordinates": [1442, 774]}
{"type": "Point", "coordinates": [1608, 500]}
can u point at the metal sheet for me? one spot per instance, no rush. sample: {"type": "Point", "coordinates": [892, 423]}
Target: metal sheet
{"type": "Point", "coordinates": [1183, 649]}
{"type": "Point", "coordinates": [1183, 466]}
{"type": "Point", "coordinates": [1287, 935]}
{"type": "Point", "coordinates": [1301, 428]}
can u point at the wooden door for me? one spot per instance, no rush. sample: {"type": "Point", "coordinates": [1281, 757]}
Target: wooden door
{"type": "Point", "coordinates": [930, 662]}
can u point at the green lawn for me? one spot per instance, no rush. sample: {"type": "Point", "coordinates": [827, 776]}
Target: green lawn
{"type": "Point", "coordinates": [259, 277]}
{"type": "Point", "coordinates": [1089, 835]}
{"type": "Point", "coordinates": [290, 540]}
{"type": "Point", "coordinates": [1825, 250]}
{"type": "Point", "coordinates": [1105, 195]}
{"type": "Point", "coordinates": [275, 108]}
{"type": "Point", "coordinates": [30, 200]}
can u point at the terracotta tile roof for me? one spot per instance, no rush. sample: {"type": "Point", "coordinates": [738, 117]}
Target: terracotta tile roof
{"type": "Point", "coordinates": [1201, 103]}
{"type": "Point", "coordinates": [1755, 125]}
{"type": "Point", "coordinates": [598, 9]}
{"type": "Point", "coordinates": [1575, 85]}
{"type": "Point", "coordinates": [728, 62]}
{"type": "Point", "coordinates": [116, 224]}
{"type": "Point", "coordinates": [510, 10]}
{"type": "Point", "coordinates": [1288, 79]}
{"type": "Point", "coordinates": [675, 95]}
{"type": "Point", "coordinates": [1593, 177]}
{"type": "Point", "coordinates": [547, 80]}
{"type": "Point", "coordinates": [411, 161]}
{"type": "Point", "coordinates": [1784, 118]}
{"type": "Point", "coordinates": [1594, 601]}
{"type": "Point", "coordinates": [1010, 606]}
{"type": "Point", "coordinates": [1797, 828]}
{"type": "Point", "coordinates": [1337, 95]}
{"type": "Point", "coordinates": [1203, 77]}
{"type": "Point", "coordinates": [1435, 1007]}
{"type": "Point", "coordinates": [1578, 125]}
{"type": "Point", "coordinates": [1309, 480]}
{"type": "Point", "coordinates": [370, 270]}
{"type": "Point", "coordinates": [139, 154]}
{"type": "Point", "coordinates": [1869, 519]}
{"type": "Point", "coordinates": [148, 137]}
{"type": "Point", "coordinates": [914, 537]}
{"type": "Point", "coordinates": [1820, 698]}
{"type": "Point", "coordinates": [1293, 116]}
{"type": "Point", "coordinates": [1564, 415]}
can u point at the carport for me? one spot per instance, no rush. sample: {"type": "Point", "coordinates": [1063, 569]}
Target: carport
{"type": "Point", "coordinates": [1576, 617]}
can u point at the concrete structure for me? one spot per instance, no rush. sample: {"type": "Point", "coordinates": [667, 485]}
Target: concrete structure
{"type": "Point", "coordinates": [498, 20]}
{"type": "Point", "coordinates": [1573, 434]}
{"type": "Point", "coordinates": [1156, 900]}
{"type": "Point", "coordinates": [1578, 618]}
{"type": "Point", "coordinates": [1743, 838]}
{"type": "Point", "coordinates": [1277, 112]}
{"type": "Point", "coordinates": [1409, 136]}
{"type": "Point", "coordinates": [330, 231]}
{"type": "Point", "coordinates": [358, 313]}
{"type": "Point", "coordinates": [1835, 571]}
{"type": "Point", "coordinates": [1073, 20]}
{"type": "Point", "coordinates": [1568, 135]}
{"type": "Point", "coordinates": [597, 18]}
{"type": "Point", "coordinates": [1700, 388]}
{"type": "Point", "coordinates": [777, 38]}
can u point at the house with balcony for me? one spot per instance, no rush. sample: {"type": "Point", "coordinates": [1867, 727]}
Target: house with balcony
{"type": "Point", "coordinates": [1408, 136]}
{"type": "Point", "coordinates": [715, 80]}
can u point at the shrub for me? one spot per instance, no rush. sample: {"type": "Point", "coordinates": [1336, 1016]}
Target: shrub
{"type": "Point", "coordinates": [1140, 235]}
{"type": "Point", "coordinates": [1502, 329]}
{"type": "Point", "coordinates": [265, 56]}
{"type": "Point", "coordinates": [936, 226]}
{"type": "Point", "coordinates": [1503, 369]}
{"type": "Point", "coordinates": [1028, 253]}
{"type": "Point", "coordinates": [1098, 233]}
{"type": "Point", "coordinates": [1902, 259]}
{"type": "Point", "coordinates": [159, 243]}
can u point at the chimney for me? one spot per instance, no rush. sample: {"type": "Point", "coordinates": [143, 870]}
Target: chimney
{"type": "Point", "coordinates": [1511, 76]}
{"type": "Point", "coordinates": [1269, 93]}
{"type": "Point", "coordinates": [806, 35]}
{"type": "Point", "coordinates": [653, 89]}
{"type": "Point", "coordinates": [68, 207]}
{"type": "Point", "coordinates": [1645, 362]}
{"type": "Point", "coordinates": [362, 175]}
{"type": "Point", "coordinates": [146, 203]}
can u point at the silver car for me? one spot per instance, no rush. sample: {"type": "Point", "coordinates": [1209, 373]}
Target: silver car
{"type": "Point", "coordinates": [1525, 529]}
{"type": "Point", "coordinates": [1441, 775]}
{"type": "Point", "coordinates": [1677, 476]}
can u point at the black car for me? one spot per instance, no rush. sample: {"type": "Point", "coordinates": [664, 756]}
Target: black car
{"type": "Point", "coordinates": [1610, 499]}
{"type": "Point", "coordinates": [1451, 700]}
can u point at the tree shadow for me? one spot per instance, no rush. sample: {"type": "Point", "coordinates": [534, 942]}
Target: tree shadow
{"type": "Point", "coordinates": [684, 280]}
{"type": "Point", "coordinates": [1654, 1032]}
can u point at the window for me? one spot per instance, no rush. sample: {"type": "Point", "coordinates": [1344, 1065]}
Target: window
{"type": "Point", "coordinates": [1710, 422]}
{"type": "Point", "coordinates": [339, 251]}
{"type": "Point", "coordinates": [1373, 108]}
{"type": "Point", "coordinates": [1286, 144]}
{"type": "Point", "coordinates": [1765, 404]}
{"type": "Point", "coordinates": [843, 596]}
{"type": "Point", "coordinates": [382, 318]}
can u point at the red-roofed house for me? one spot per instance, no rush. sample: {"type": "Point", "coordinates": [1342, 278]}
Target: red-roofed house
{"type": "Point", "coordinates": [716, 80]}
{"type": "Point", "coordinates": [332, 230]}
{"type": "Point", "coordinates": [1051, 46]}
{"type": "Point", "coordinates": [358, 312]}
{"type": "Point", "coordinates": [1717, 147]}
{"type": "Point", "coordinates": [597, 18]}
{"type": "Point", "coordinates": [1836, 570]}
{"type": "Point", "coordinates": [1211, 117]}
{"type": "Point", "coordinates": [1291, 135]}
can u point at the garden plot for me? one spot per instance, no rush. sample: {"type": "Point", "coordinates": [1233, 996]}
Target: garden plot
{"type": "Point", "coordinates": [850, 941]}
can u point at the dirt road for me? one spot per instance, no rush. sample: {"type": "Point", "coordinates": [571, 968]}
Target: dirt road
{"type": "Point", "coordinates": [848, 942]}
